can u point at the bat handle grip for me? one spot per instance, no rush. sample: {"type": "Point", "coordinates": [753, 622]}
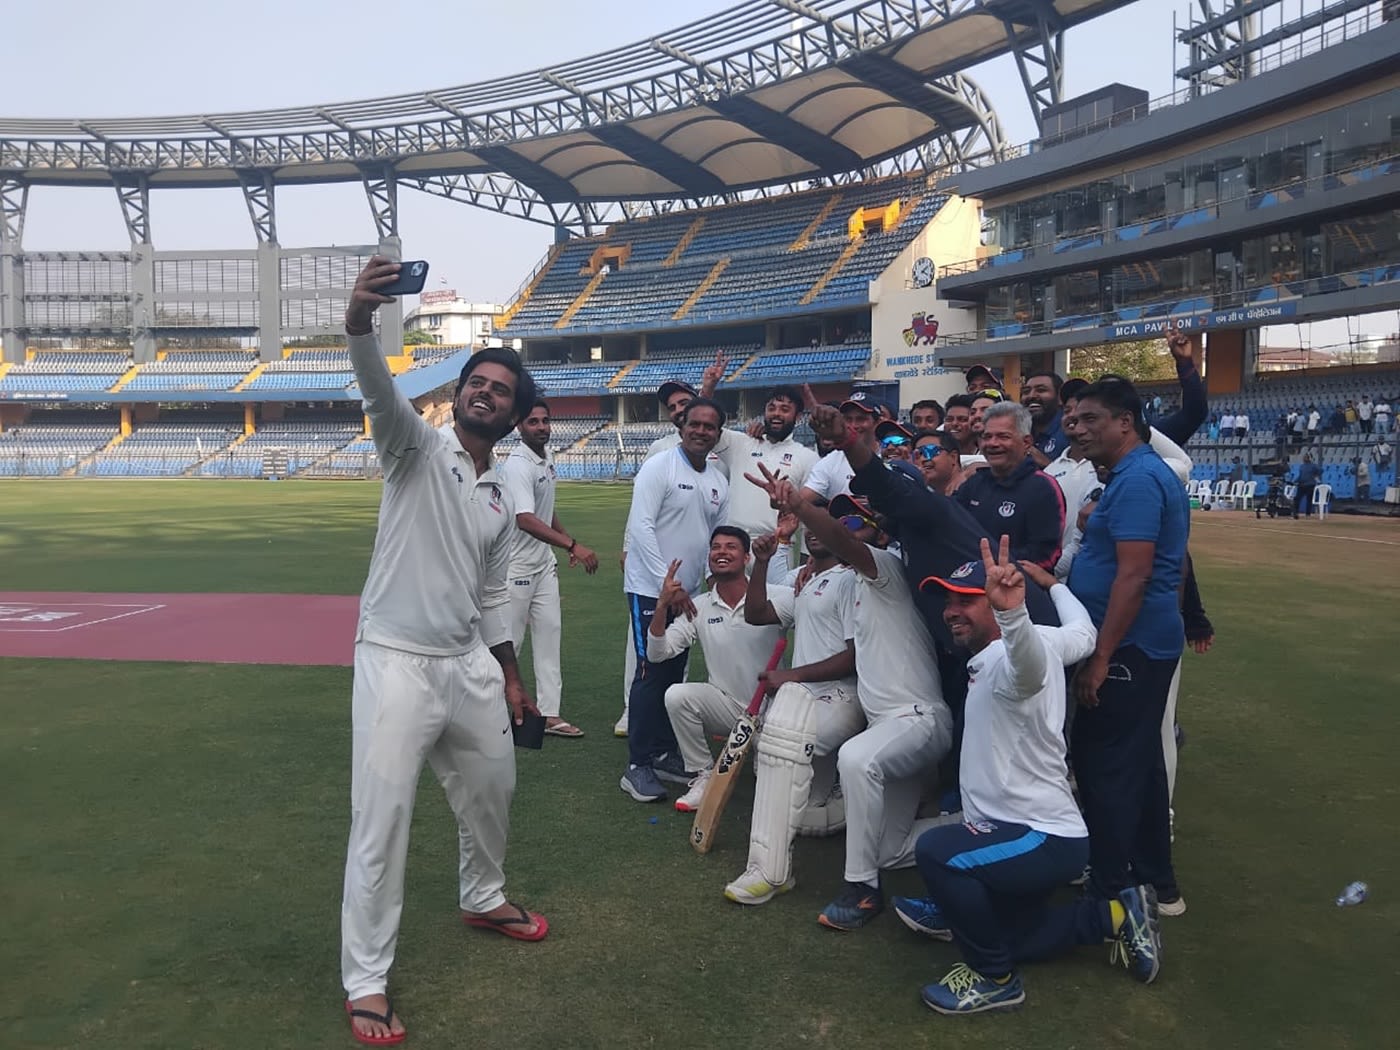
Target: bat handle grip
{"type": "Point", "coordinates": [773, 662]}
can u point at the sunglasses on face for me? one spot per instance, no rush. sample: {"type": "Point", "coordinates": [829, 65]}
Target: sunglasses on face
{"type": "Point", "coordinates": [928, 453]}
{"type": "Point", "coordinates": [894, 441]}
{"type": "Point", "coordinates": [856, 522]}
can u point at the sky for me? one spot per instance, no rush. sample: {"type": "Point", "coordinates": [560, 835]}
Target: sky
{"type": "Point", "coordinates": [160, 57]}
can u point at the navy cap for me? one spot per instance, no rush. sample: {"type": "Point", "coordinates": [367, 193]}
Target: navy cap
{"type": "Point", "coordinates": [968, 578]}
{"type": "Point", "coordinates": [674, 386]}
{"type": "Point", "coordinates": [846, 504]}
{"type": "Point", "coordinates": [890, 428]}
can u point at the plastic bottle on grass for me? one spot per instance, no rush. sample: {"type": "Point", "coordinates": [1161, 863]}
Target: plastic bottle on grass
{"type": "Point", "coordinates": [1353, 894]}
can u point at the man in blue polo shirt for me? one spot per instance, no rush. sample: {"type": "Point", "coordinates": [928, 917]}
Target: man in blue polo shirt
{"type": "Point", "coordinates": [1014, 497]}
{"type": "Point", "coordinates": [1040, 394]}
{"type": "Point", "coordinates": [1128, 573]}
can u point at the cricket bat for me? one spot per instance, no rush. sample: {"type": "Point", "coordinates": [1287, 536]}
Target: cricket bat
{"type": "Point", "coordinates": [731, 759]}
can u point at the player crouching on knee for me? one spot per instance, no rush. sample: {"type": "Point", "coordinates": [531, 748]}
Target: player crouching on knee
{"type": "Point", "coordinates": [909, 728]}
{"type": "Point", "coordinates": [991, 877]}
{"type": "Point", "coordinates": [813, 711]}
{"type": "Point", "coordinates": [735, 653]}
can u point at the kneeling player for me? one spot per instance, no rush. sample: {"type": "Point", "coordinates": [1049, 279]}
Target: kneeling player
{"type": "Point", "coordinates": [991, 877]}
{"type": "Point", "coordinates": [883, 769]}
{"type": "Point", "coordinates": [735, 654]}
{"type": "Point", "coordinates": [814, 711]}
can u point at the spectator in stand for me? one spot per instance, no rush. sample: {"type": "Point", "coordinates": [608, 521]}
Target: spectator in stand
{"type": "Point", "coordinates": [1242, 424]}
{"type": "Point", "coordinates": [1308, 473]}
{"type": "Point", "coordinates": [1383, 414]}
{"type": "Point", "coordinates": [1213, 431]}
{"type": "Point", "coordinates": [1227, 424]}
{"type": "Point", "coordinates": [1351, 417]}
{"type": "Point", "coordinates": [1362, 470]}
{"type": "Point", "coordinates": [1381, 453]}
{"type": "Point", "coordinates": [1300, 426]}
{"type": "Point", "coordinates": [1337, 424]}
{"type": "Point", "coordinates": [925, 416]}
{"type": "Point", "coordinates": [1365, 413]}
{"type": "Point", "coordinates": [1281, 437]}
{"type": "Point", "coordinates": [1314, 421]}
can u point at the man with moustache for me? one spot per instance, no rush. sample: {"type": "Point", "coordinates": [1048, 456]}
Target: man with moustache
{"type": "Point", "coordinates": [1040, 394]}
{"type": "Point", "coordinates": [775, 449]}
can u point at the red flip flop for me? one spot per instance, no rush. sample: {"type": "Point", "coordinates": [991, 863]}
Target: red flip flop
{"type": "Point", "coordinates": [506, 925]}
{"type": "Point", "coordinates": [386, 1019]}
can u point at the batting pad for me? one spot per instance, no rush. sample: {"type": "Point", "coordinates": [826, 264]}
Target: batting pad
{"type": "Point", "coordinates": [825, 812]}
{"type": "Point", "coordinates": [784, 768]}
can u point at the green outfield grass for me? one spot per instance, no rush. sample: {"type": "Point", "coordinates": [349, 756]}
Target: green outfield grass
{"type": "Point", "coordinates": [171, 861]}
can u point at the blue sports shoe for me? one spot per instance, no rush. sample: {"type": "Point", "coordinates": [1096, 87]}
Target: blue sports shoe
{"type": "Point", "coordinates": [921, 915]}
{"type": "Point", "coordinates": [1138, 945]}
{"type": "Point", "coordinates": [640, 782]}
{"type": "Point", "coordinates": [670, 767]}
{"type": "Point", "coordinates": [965, 991]}
{"type": "Point", "coordinates": [856, 906]}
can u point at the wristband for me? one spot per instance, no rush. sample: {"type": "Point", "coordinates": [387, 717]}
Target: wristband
{"type": "Point", "coordinates": [358, 331]}
{"type": "Point", "coordinates": [572, 544]}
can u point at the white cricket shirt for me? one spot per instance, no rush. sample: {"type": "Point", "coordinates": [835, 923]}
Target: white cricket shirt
{"type": "Point", "coordinates": [896, 671]}
{"type": "Point", "coordinates": [437, 577]}
{"type": "Point", "coordinates": [674, 510]}
{"type": "Point", "coordinates": [1077, 480]}
{"type": "Point", "coordinates": [529, 482]}
{"type": "Point", "coordinates": [830, 476]}
{"type": "Point", "coordinates": [748, 504]}
{"type": "Point", "coordinates": [1013, 751]}
{"type": "Point", "coordinates": [735, 651]}
{"type": "Point", "coordinates": [822, 618]}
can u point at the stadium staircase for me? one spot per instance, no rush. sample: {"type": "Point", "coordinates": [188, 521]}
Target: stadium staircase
{"type": "Point", "coordinates": [575, 306]}
{"type": "Point", "coordinates": [734, 375]}
{"type": "Point", "coordinates": [684, 242]}
{"type": "Point", "coordinates": [831, 271]}
{"type": "Point", "coordinates": [805, 237]}
{"type": "Point", "coordinates": [127, 376]}
{"type": "Point", "coordinates": [700, 289]}
{"type": "Point", "coordinates": [531, 283]}
{"type": "Point", "coordinates": [258, 370]}
{"type": "Point", "coordinates": [621, 372]}
{"type": "Point", "coordinates": [5, 366]}
{"type": "Point", "coordinates": [85, 461]}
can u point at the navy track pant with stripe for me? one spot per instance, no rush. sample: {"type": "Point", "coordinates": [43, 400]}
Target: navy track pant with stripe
{"type": "Point", "coordinates": [993, 882]}
{"type": "Point", "coordinates": [649, 732]}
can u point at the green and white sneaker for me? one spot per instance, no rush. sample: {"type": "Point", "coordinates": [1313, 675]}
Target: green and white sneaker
{"type": "Point", "coordinates": [965, 991]}
{"type": "Point", "coordinates": [752, 888]}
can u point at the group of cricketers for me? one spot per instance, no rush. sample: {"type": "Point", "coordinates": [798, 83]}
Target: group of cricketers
{"type": "Point", "coordinates": [986, 615]}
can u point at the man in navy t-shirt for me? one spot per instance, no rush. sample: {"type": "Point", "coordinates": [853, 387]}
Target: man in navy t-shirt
{"type": "Point", "coordinates": [1127, 574]}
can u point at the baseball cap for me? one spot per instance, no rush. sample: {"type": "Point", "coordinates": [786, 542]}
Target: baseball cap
{"type": "Point", "coordinates": [981, 369]}
{"type": "Point", "coordinates": [863, 401]}
{"type": "Point", "coordinates": [674, 386]}
{"type": "Point", "coordinates": [846, 504]}
{"type": "Point", "coordinates": [890, 428]}
{"type": "Point", "coordinates": [968, 578]}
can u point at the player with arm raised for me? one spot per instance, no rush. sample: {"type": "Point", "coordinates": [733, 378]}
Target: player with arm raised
{"type": "Point", "coordinates": [735, 653]}
{"type": "Point", "coordinates": [909, 727]}
{"type": "Point", "coordinates": [435, 673]}
{"type": "Point", "coordinates": [529, 478]}
{"type": "Point", "coordinates": [813, 712]}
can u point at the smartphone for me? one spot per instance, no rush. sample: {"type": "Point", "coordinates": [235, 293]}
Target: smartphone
{"type": "Point", "coordinates": [413, 274]}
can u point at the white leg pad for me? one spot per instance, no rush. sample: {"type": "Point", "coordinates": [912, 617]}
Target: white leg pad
{"type": "Point", "coordinates": [784, 768]}
{"type": "Point", "coordinates": [839, 717]}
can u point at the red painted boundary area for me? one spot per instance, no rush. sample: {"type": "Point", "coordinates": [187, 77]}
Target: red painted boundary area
{"type": "Point", "coordinates": [299, 629]}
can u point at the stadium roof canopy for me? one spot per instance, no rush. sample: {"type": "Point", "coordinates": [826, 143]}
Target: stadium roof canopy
{"type": "Point", "coordinates": [763, 93]}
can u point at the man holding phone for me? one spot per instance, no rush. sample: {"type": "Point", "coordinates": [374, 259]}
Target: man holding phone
{"type": "Point", "coordinates": [435, 672]}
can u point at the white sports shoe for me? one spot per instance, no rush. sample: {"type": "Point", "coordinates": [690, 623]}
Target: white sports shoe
{"type": "Point", "coordinates": [1172, 908]}
{"type": "Point", "coordinates": [752, 888]}
{"type": "Point", "coordinates": [690, 801]}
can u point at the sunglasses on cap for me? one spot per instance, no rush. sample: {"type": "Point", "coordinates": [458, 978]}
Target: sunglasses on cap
{"type": "Point", "coordinates": [894, 441]}
{"type": "Point", "coordinates": [928, 453]}
{"type": "Point", "coordinates": [856, 522]}
{"type": "Point", "coordinates": [990, 394]}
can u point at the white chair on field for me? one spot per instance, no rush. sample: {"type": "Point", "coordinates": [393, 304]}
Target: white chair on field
{"type": "Point", "coordinates": [1322, 500]}
{"type": "Point", "coordinates": [1247, 495]}
{"type": "Point", "coordinates": [1222, 492]}
{"type": "Point", "coordinates": [1231, 499]}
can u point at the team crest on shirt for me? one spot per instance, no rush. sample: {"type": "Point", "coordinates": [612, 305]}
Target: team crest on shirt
{"type": "Point", "coordinates": [552, 473]}
{"type": "Point", "coordinates": [979, 827]}
{"type": "Point", "coordinates": [1007, 509]}
{"type": "Point", "coordinates": [714, 497]}
{"type": "Point", "coordinates": [458, 475]}
{"type": "Point", "coordinates": [821, 586]}
{"type": "Point", "coordinates": [496, 499]}
{"type": "Point", "coordinates": [787, 459]}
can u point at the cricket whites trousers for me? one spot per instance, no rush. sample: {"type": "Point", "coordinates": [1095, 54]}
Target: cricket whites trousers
{"type": "Point", "coordinates": [451, 711]}
{"type": "Point", "coordinates": [534, 604]}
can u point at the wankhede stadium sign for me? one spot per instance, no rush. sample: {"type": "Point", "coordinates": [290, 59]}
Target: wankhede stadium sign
{"type": "Point", "coordinates": [437, 296]}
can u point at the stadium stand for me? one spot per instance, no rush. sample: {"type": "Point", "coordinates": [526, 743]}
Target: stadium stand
{"type": "Point", "coordinates": [47, 450]}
